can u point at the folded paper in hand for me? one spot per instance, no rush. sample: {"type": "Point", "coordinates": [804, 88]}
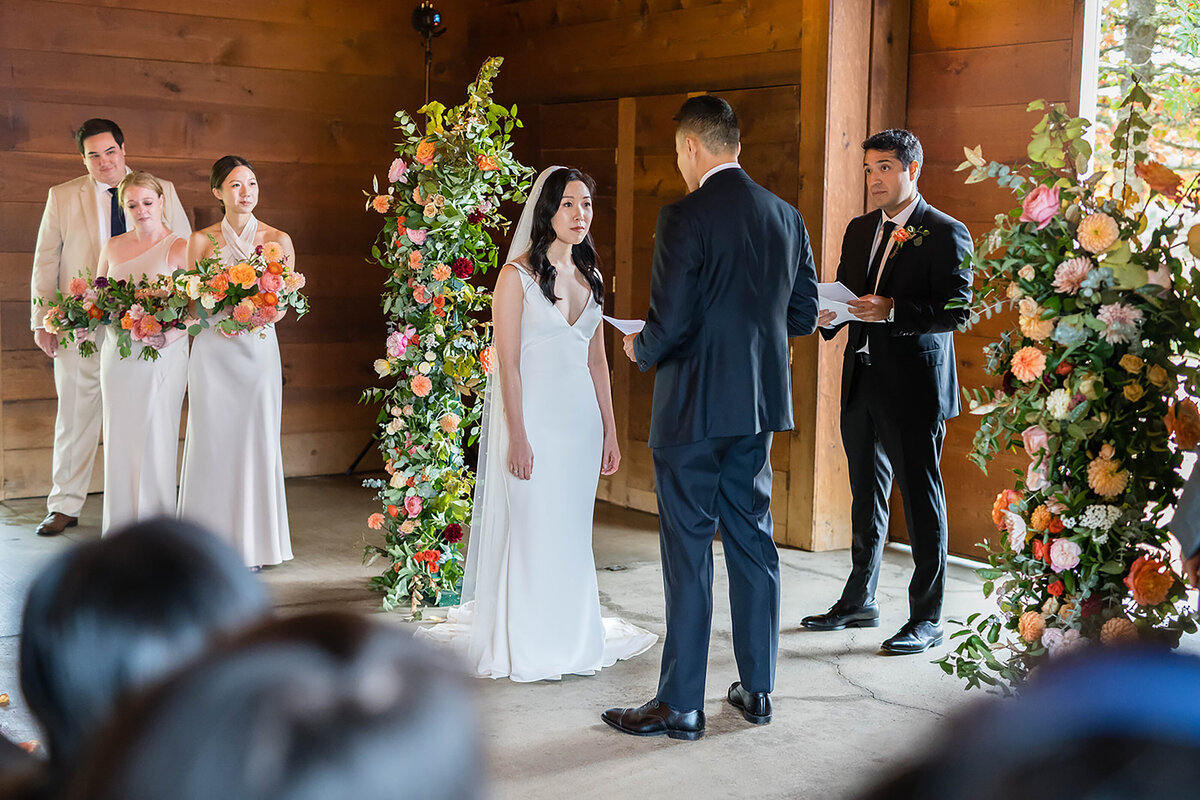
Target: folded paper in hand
{"type": "Point", "coordinates": [836, 297]}
{"type": "Point", "coordinates": [626, 326]}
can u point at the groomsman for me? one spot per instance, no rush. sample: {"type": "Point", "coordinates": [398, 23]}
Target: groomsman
{"type": "Point", "coordinates": [80, 217]}
{"type": "Point", "coordinates": [899, 384]}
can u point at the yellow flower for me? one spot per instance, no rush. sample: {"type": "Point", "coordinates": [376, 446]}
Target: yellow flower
{"type": "Point", "coordinates": [1131, 363]}
{"type": "Point", "coordinates": [1133, 392]}
{"type": "Point", "coordinates": [382, 367]}
{"type": "Point", "coordinates": [1157, 376]}
{"type": "Point", "coordinates": [1097, 232]}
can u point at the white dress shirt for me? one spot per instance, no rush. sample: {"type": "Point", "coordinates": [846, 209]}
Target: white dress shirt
{"type": "Point", "coordinates": [718, 168]}
{"type": "Point", "coordinates": [900, 220]}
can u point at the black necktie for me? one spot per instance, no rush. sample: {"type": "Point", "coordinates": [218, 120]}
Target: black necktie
{"type": "Point", "coordinates": [858, 331]}
{"type": "Point", "coordinates": [118, 216]}
{"type": "Point", "coordinates": [873, 270]}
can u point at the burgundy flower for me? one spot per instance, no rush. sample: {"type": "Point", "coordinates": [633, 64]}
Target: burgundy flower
{"type": "Point", "coordinates": [258, 250]}
{"type": "Point", "coordinates": [463, 268]}
{"type": "Point", "coordinates": [1090, 607]}
{"type": "Point", "coordinates": [453, 533]}
{"type": "Point", "coordinates": [475, 217]}
{"type": "Point", "coordinates": [1008, 382]}
{"type": "Point", "coordinates": [101, 282]}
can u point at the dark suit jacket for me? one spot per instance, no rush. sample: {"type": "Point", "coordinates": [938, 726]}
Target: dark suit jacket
{"type": "Point", "coordinates": [733, 278]}
{"type": "Point", "coordinates": [914, 354]}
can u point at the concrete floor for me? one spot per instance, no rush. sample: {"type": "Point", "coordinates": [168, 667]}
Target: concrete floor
{"type": "Point", "coordinates": [844, 715]}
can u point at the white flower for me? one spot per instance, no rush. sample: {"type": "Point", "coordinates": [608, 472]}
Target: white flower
{"type": "Point", "coordinates": [424, 368]}
{"type": "Point", "coordinates": [1058, 403]}
{"type": "Point", "coordinates": [1050, 606]}
{"type": "Point", "coordinates": [1099, 517]}
{"type": "Point", "coordinates": [430, 355]}
{"type": "Point", "coordinates": [1052, 640]}
{"type": "Point", "coordinates": [397, 481]}
{"type": "Point", "coordinates": [439, 330]}
{"type": "Point", "coordinates": [1064, 555]}
{"type": "Point", "coordinates": [382, 367]}
{"type": "Point", "coordinates": [392, 428]}
{"type": "Point", "coordinates": [1016, 530]}
{"type": "Point", "coordinates": [208, 301]}
{"type": "Point", "coordinates": [1026, 273]}
{"type": "Point", "coordinates": [193, 287]}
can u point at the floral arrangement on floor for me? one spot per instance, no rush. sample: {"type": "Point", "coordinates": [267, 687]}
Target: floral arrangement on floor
{"type": "Point", "coordinates": [1096, 381]}
{"type": "Point", "coordinates": [443, 194]}
{"type": "Point", "coordinates": [252, 294]}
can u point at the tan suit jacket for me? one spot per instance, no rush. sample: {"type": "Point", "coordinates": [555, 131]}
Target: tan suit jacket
{"type": "Point", "coordinates": [68, 241]}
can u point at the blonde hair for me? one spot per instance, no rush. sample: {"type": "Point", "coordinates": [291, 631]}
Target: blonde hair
{"type": "Point", "coordinates": [139, 178]}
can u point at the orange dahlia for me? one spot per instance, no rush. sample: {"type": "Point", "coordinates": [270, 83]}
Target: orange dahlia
{"type": "Point", "coordinates": [1028, 364]}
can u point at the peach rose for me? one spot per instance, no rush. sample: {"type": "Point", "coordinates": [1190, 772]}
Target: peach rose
{"type": "Point", "coordinates": [1133, 392]}
{"type": "Point", "coordinates": [219, 283]}
{"type": "Point", "coordinates": [441, 272]}
{"type": "Point", "coordinates": [421, 386]}
{"type": "Point", "coordinates": [1149, 580]}
{"type": "Point", "coordinates": [1028, 364]}
{"type": "Point", "coordinates": [1131, 363]}
{"type": "Point", "coordinates": [1040, 206]}
{"type": "Point", "coordinates": [420, 294]}
{"type": "Point", "coordinates": [426, 150]}
{"type": "Point", "coordinates": [449, 423]}
{"type": "Point", "coordinates": [243, 275]}
{"type": "Point", "coordinates": [381, 203]}
{"type": "Point", "coordinates": [375, 522]}
{"type": "Point", "coordinates": [1031, 626]}
{"type": "Point", "coordinates": [1157, 376]}
{"type": "Point", "coordinates": [408, 526]}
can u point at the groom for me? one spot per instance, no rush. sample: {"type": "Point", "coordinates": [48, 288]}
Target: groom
{"type": "Point", "coordinates": [733, 278]}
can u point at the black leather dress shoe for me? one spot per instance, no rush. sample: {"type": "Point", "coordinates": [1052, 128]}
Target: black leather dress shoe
{"type": "Point", "coordinates": [755, 706]}
{"type": "Point", "coordinates": [844, 616]}
{"type": "Point", "coordinates": [657, 719]}
{"type": "Point", "coordinates": [916, 636]}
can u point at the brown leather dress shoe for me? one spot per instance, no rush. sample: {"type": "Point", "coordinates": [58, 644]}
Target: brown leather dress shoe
{"type": "Point", "coordinates": [55, 523]}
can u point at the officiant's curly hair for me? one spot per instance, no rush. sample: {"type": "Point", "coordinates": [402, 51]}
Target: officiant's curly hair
{"type": "Point", "coordinates": [542, 236]}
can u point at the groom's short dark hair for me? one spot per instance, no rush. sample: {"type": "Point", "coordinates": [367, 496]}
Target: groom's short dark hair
{"type": "Point", "coordinates": [713, 120]}
{"type": "Point", "coordinates": [96, 126]}
{"type": "Point", "coordinates": [904, 144]}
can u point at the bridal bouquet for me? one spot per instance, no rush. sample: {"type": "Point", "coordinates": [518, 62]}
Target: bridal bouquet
{"type": "Point", "coordinates": [1094, 385]}
{"type": "Point", "coordinates": [74, 316]}
{"type": "Point", "coordinates": [254, 292]}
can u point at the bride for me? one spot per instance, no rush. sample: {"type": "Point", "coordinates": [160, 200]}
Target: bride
{"type": "Point", "coordinates": [531, 606]}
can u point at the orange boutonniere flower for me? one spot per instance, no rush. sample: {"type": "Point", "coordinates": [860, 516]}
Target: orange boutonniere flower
{"type": "Point", "coordinates": [907, 234]}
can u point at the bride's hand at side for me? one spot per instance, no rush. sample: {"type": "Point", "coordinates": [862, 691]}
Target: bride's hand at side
{"type": "Point", "coordinates": [520, 458]}
{"type": "Point", "coordinates": [612, 455]}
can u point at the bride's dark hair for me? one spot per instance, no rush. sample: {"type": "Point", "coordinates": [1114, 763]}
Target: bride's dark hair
{"type": "Point", "coordinates": [542, 235]}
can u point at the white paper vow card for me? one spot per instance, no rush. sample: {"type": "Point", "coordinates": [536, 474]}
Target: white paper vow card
{"type": "Point", "coordinates": [626, 326]}
{"type": "Point", "coordinates": [836, 297]}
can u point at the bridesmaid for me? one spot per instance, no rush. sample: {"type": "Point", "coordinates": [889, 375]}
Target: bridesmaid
{"type": "Point", "coordinates": [141, 400]}
{"type": "Point", "coordinates": [232, 477]}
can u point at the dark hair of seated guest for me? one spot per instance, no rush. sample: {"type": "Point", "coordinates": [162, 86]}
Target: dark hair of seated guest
{"type": "Point", "coordinates": [112, 616]}
{"type": "Point", "coordinates": [1095, 726]}
{"type": "Point", "coordinates": [323, 706]}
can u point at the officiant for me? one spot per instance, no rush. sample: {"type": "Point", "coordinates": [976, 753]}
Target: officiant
{"type": "Point", "coordinates": [904, 261]}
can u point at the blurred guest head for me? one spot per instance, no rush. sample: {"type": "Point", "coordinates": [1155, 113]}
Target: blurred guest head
{"type": "Point", "coordinates": [1092, 727]}
{"type": "Point", "coordinates": [114, 615]}
{"type": "Point", "coordinates": [316, 707]}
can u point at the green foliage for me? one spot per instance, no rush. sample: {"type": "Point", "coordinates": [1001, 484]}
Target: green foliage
{"type": "Point", "coordinates": [441, 202]}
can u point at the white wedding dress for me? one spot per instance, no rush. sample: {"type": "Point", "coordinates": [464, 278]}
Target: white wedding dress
{"type": "Point", "coordinates": [232, 479]}
{"type": "Point", "coordinates": [141, 402]}
{"type": "Point", "coordinates": [531, 605]}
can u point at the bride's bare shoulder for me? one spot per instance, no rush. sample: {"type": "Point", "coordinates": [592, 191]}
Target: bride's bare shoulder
{"type": "Point", "coordinates": [521, 262]}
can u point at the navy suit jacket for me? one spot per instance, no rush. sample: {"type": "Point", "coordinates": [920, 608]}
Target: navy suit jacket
{"type": "Point", "coordinates": [733, 278]}
{"type": "Point", "coordinates": [914, 354]}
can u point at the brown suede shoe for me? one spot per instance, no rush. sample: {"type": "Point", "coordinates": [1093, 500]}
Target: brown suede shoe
{"type": "Point", "coordinates": [55, 523]}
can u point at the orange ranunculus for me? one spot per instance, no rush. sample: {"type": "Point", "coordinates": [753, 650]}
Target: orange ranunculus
{"type": "Point", "coordinates": [275, 268]}
{"type": "Point", "coordinates": [1056, 525]}
{"type": "Point", "coordinates": [421, 386]}
{"type": "Point", "coordinates": [1183, 422]}
{"type": "Point", "coordinates": [243, 275]}
{"type": "Point", "coordinates": [1003, 500]}
{"type": "Point", "coordinates": [375, 522]}
{"type": "Point", "coordinates": [269, 298]}
{"type": "Point", "coordinates": [95, 313]}
{"type": "Point", "coordinates": [392, 510]}
{"type": "Point", "coordinates": [486, 163]}
{"type": "Point", "coordinates": [416, 196]}
{"type": "Point", "coordinates": [1160, 179]}
{"type": "Point", "coordinates": [439, 301]}
{"type": "Point", "coordinates": [1149, 580]}
{"type": "Point", "coordinates": [1040, 551]}
{"type": "Point", "coordinates": [1028, 364]}
{"type": "Point", "coordinates": [425, 152]}
{"type": "Point", "coordinates": [486, 359]}
{"type": "Point", "coordinates": [127, 322]}
{"type": "Point", "coordinates": [439, 312]}
{"type": "Point", "coordinates": [272, 251]}
{"type": "Point", "coordinates": [1056, 588]}
{"type": "Point", "coordinates": [219, 282]}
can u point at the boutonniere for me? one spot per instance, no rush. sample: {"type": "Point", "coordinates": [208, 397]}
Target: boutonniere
{"type": "Point", "coordinates": [910, 233]}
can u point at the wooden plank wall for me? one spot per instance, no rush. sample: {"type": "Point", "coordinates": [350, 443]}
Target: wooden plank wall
{"type": "Point", "coordinates": [974, 66]}
{"type": "Point", "coordinates": [305, 90]}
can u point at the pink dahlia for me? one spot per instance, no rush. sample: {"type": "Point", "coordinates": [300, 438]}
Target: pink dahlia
{"type": "Point", "coordinates": [1069, 275]}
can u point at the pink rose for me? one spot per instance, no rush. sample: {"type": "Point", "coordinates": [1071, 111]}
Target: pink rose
{"type": "Point", "coordinates": [397, 170]}
{"type": "Point", "coordinates": [413, 505]}
{"type": "Point", "coordinates": [1035, 438]}
{"type": "Point", "coordinates": [1035, 479]}
{"type": "Point", "coordinates": [77, 287]}
{"type": "Point", "coordinates": [268, 314]}
{"type": "Point", "coordinates": [417, 235]}
{"type": "Point", "coordinates": [1040, 206]}
{"type": "Point", "coordinates": [1064, 555]}
{"type": "Point", "coordinates": [397, 343]}
{"type": "Point", "coordinates": [269, 282]}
